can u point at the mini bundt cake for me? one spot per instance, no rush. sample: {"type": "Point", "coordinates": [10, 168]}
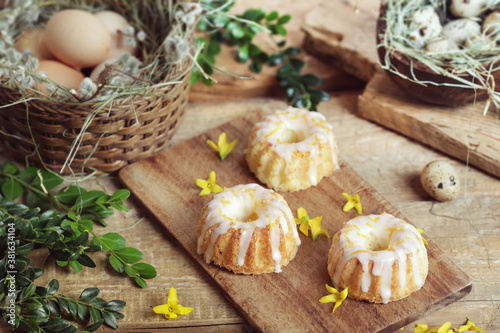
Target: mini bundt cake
{"type": "Point", "coordinates": [380, 258]}
{"type": "Point", "coordinates": [292, 150]}
{"type": "Point", "coordinates": [248, 229]}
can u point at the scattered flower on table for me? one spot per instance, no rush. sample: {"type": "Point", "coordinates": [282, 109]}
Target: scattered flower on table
{"type": "Point", "coordinates": [336, 296]}
{"type": "Point", "coordinates": [305, 222]}
{"type": "Point", "coordinates": [352, 202]}
{"type": "Point", "coordinates": [208, 186]}
{"type": "Point", "coordinates": [172, 309]}
{"type": "Point", "coordinates": [222, 147]}
{"type": "Point", "coordinates": [425, 241]}
{"type": "Point", "coordinates": [446, 328]}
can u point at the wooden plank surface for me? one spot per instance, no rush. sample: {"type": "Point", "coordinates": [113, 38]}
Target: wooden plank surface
{"type": "Point", "coordinates": [287, 301]}
{"type": "Point", "coordinates": [343, 33]}
{"type": "Point", "coordinates": [467, 229]}
{"type": "Point", "coordinates": [462, 132]}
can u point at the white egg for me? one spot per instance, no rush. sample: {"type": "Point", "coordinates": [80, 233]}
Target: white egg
{"type": "Point", "coordinates": [459, 30]}
{"type": "Point", "coordinates": [441, 45]}
{"type": "Point", "coordinates": [425, 24]}
{"type": "Point", "coordinates": [439, 179]}
{"type": "Point", "coordinates": [116, 25]}
{"type": "Point", "coordinates": [468, 8]}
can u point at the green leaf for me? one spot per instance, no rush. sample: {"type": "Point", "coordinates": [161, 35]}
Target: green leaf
{"type": "Point", "coordinates": [140, 282]}
{"type": "Point", "coordinates": [30, 290]}
{"type": "Point", "coordinates": [32, 304]}
{"type": "Point", "coordinates": [111, 241]}
{"type": "Point", "coordinates": [275, 59]}
{"type": "Point", "coordinates": [27, 174]}
{"type": "Point", "coordinates": [302, 102]}
{"type": "Point", "coordinates": [297, 64]}
{"type": "Point", "coordinates": [284, 19]}
{"type": "Point", "coordinates": [99, 302]}
{"type": "Point", "coordinates": [213, 47]}
{"type": "Point", "coordinates": [120, 195]}
{"type": "Point", "coordinates": [281, 30]}
{"type": "Point", "coordinates": [254, 14]}
{"type": "Point", "coordinates": [235, 30]}
{"type": "Point", "coordinates": [256, 66]}
{"type": "Point", "coordinates": [311, 80]}
{"type": "Point", "coordinates": [76, 266]}
{"type": "Point", "coordinates": [130, 272]}
{"type": "Point", "coordinates": [9, 168]}
{"type": "Point", "coordinates": [12, 189]}
{"type": "Point", "coordinates": [89, 295]}
{"type": "Point", "coordinates": [38, 315]}
{"type": "Point", "coordinates": [319, 96]}
{"type": "Point", "coordinates": [94, 326]}
{"type": "Point", "coordinates": [52, 287]}
{"type": "Point", "coordinates": [85, 225]}
{"type": "Point", "coordinates": [146, 271]}
{"type": "Point", "coordinates": [29, 326]}
{"type": "Point", "coordinates": [87, 199]}
{"type": "Point", "coordinates": [83, 313]}
{"type": "Point", "coordinates": [293, 51]}
{"type": "Point", "coordinates": [52, 307]}
{"type": "Point", "coordinates": [61, 263]}
{"type": "Point", "coordinates": [34, 200]}
{"type": "Point", "coordinates": [115, 305]}
{"type": "Point", "coordinates": [73, 309]}
{"type": "Point", "coordinates": [63, 303]}
{"type": "Point", "coordinates": [130, 255]}
{"type": "Point", "coordinates": [56, 325]}
{"type": "Point", "coordinates": [22, 280]}
{"type": "Point", "coordinates": [95, 315]}
{"type": "Point", "coordinates": [25, 249]}
{"type": "Point", "coordinates": [70, 194]}
{"type": "Point", "coordinates": [272, 16]}
{"type": "Point", "coordinates": [110, 320]}
{"type": "Point", "coordinates": [243, 54]}
{"type": "Point", "coordinates": [50, 180]}
{"type": "Point", "coordinates": [116, 264]}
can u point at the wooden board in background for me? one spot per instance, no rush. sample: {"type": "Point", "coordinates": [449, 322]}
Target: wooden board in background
{"type": "Point", "coordinates": [338, 33]}
{"type": "Point", "coordinates": [462, 132]}
{"type": "Point", "coordinates": [288, 301]}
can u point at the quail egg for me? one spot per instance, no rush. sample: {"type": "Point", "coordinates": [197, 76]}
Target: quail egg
{"type": "Point", "coordinates": [461, 29]}
{"type": "Point", "coordinates": [439, 179]}
{"type": "Point", "coordinates": [424, 25]}
{"type": "Point", "coordinates": [468, 8]}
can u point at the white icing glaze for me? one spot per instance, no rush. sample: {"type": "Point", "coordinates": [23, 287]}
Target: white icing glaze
{"type": "Point", "coordinates": [382, 239]}
{"type": "Point", "coordinates": [296, 131]}
{"type": "Point", "coordinates": [236, 207]}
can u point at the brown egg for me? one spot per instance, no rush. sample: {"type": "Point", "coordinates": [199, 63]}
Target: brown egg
{"type": "Point", "coordinates": [60, 73]}
{"type": "Point", "coordinates": [94, 75]}
{"type": "Point", "coordinates": [77, 38]}
{"type": "Point", "coordinates": [34, 39]}
{"type": "Point", "coordinates": [115, 23]}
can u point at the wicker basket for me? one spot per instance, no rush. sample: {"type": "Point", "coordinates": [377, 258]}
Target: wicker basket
{"type": "Point", "coordinates": [131, 129]}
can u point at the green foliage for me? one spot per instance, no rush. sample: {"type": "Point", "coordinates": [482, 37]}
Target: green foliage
{"type": "Point", "coordinates": [61, 221]}
{"type": "Point", "coordinates": [240, 32]}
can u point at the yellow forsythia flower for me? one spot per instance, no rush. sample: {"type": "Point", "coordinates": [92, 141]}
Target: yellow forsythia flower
{"type": "Point", "coordinates": [208, 186]}
{"type": "Point", "coordinates": [172, 309]}
{"type": "Point", "coordinates": [352, 202]}
{"type": "Point", "coordinates": [222, 147]}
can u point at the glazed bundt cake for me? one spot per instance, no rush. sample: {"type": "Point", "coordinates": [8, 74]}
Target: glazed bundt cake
{"type": "Point", "coordinates": [380, 258]}
{"type": "Point", "coordinates": [248, 229]}
{"type": "Point", "coordinates": [292, 150]}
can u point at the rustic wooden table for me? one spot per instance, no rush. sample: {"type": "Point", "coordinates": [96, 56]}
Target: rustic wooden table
{"type": "Point", "coordinates": [467, 229]}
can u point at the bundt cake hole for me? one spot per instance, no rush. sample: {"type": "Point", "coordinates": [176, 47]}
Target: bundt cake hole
{"type": "Point", "coordinates": [291, 136]}
{"type": "Point", "coordinates": [377, 243]}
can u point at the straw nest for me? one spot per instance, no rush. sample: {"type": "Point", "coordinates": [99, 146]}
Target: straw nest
{"type": "Point", "coordinates": [439, 53]}
{"type": "Point", "coordinates": [128, 113]}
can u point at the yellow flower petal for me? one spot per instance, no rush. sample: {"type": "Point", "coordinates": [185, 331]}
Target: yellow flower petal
{"type": "Point", "coordinates": [161, 309]}
{"type": "Point", "coordinates": [304, 227]}
{"type": "Point", "coordinates": [316, 230]}
{"type": "Point", "coordinates": [328, 299]}
{"type": "Point", "coordinates": [212, 144]}
{"type": "Point", "coordinates": [211, 178]}
{"type": "Point", "coordinates": [222, 140]}
{"type": "Point", "coordinates": [332, 289]}
{"type": "Point", "coordinates": [182, 310]}
{"type": "Point", "coordinates": [352, 202]}
{"type": "Point", "coordinates": [348, 206]}
{"type": "Point", "coordinates": [217, 189]}
{"type": "Point", "coordinates": [421, 328]}
{"type": "Point", "coordinates": [301, 212]}
{"type": "Point", "coordinates": [171, 315]}
{"type": "Point", "coordinates": [201, 183]}
{"type": "Point", "coordinates": [172, 297]}
{"type": "Point", "coordinates": [444, 328]}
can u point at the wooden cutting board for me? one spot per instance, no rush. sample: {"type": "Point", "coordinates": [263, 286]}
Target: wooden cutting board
{"type": "Point", "coordinates": [286, 301]}
{"type": "Point", "coordinates": [462, 132]}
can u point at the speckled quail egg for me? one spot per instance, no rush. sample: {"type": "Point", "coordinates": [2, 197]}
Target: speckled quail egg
{"type": "Point", "coordinates": [491, 23]}
{"type": "Point", "coordinates": [461, 29]}
{"type": "Point", "coordinates": [424, 25]}
{"type": "Point", "coordinates": [440, 45]}
{"type": "Point", "coordinates": [468, 8]}
{"type": "Point", "coordinates": [439, 179]}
